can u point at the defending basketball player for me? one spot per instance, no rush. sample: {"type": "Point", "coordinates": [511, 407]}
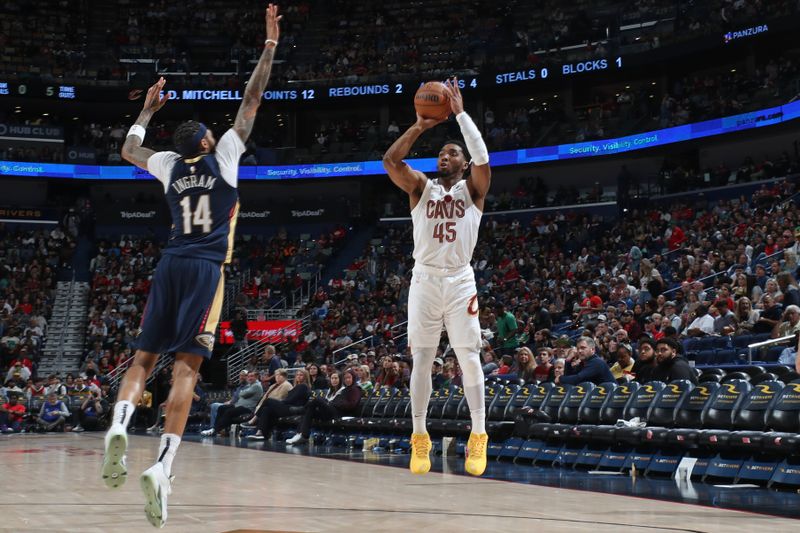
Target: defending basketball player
{"type": "Point", "coordinates": [446, 213]}
{"type": "Point", "coordinates": [183, 308]}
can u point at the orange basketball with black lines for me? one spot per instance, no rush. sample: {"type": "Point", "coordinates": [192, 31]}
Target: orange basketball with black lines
{"type": "Point", "coordinates": [432, 101]}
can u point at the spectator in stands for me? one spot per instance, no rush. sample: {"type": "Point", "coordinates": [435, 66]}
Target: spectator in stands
{"type": "Point", "coordinates": [35, 389]}
{"type": "Point", "coordinates": [272, 362]}
{"type": "Point", "coordinates": [544, 369]}
{"type": "Point", "coordinates": [646, 361]}
{"type": "Point", "coordinates": [559, 368]}
{"type": "Point", "coordinates": [248, 399]}
{"type": "Point", "coordinates": [702, 325]}
{"type": "Point", "coordinates": [769, 316]}
{"type": "Point", "coordinates": [53, 413]}
{"type": "Point", "coordinates": [214, 409]}
{"type": "Point", "coordinates": [592, 367]}
{"type": "Point", "coordinates": [526, 365]}
{"type": "Point", "coordinates": [318, 380]}
{"type": "Point", "coordinates": [55, 386]}
{"type": "Point", "coordinates": [437, 373]}
{"type": "Point", "coordinates": [506, 330]}
{"type": "Point", "coordinates": [671, 365]}
{"type": "Point", "coordinates": [344, 402]}
{"type": "Point", "coordinates": [623, 368]}
{"type": "Point", "coordinates": [12, 414]}
{"type": "Point", "coordinates": [388, 374]}
{"type": "Point", "coordinates": [293, 404]}
{"type": "Point", "coordinates": [790, 323]}
{"type": "Point", "coordinates": [788, 286]}
{"type": "Point", "coordinates": [746, 316]}
{"type": "Point", "coordinates": [363, 380]}
{"type": "Point", "coordinates": [144, 414]}
{"type": "Point", "coordinates": [18, 371]}
{"type": "Point", "coordinates": [630, 325]}
{"type": "Point", "coordinates": [489, 364]}
{"type": "Point", "coordinates": [91, 413]}
{"type": "Point", "coordinates": [79, 388]}
{"type": "Point", "coordinates": [725, 323]}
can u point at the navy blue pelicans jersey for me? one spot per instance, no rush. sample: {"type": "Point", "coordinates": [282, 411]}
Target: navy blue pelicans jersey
{"type": "Point", "coordinates": [203, 199]}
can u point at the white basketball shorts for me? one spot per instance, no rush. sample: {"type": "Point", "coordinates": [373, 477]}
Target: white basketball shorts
{"type": "Point", "coordinates": [438, 297]}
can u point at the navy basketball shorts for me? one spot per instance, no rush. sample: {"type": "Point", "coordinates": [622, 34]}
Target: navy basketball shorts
{"type": "Point", "coordinates": [183, 308]}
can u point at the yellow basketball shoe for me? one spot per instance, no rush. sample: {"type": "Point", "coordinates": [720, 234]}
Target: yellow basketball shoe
{"type": "Point", "coordinates": [420, 453]}
{"type": "Point", "coordinates": [476, 453]}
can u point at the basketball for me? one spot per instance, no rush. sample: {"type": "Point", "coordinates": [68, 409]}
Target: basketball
{"type": "Point", "coordinates": [432, 101]}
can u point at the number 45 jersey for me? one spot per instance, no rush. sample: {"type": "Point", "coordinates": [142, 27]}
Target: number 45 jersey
{"type": "Point", "coordinates": [203, 200]}
{"type": "Point", "coordinates": [446, 226]}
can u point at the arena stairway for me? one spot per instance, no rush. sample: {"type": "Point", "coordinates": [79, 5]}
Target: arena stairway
{"type": "Point", "coordinates": [66, 329]}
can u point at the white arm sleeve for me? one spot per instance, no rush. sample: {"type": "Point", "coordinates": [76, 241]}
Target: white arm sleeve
{"type": "Point", "coordinates": [473, 139]}
{"type": "Point", "coordinates": [160, 165]}
{"type": "Point", "coordinates": [229, 149]}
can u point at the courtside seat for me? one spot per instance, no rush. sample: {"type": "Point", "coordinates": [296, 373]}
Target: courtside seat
{"type": "Point", "coordinates": [766, 376]}
{"type": "Point", "coordinates": [783, 423]}
{"type": "Point", "coordinates": [748, 422]}
{"type": "Point", "coordinates": [529, 398]}
{"type": "Point", "coordinates": [568, 414]}
{"type": "Point", "coordinates": [638, 407]}
{"type": "Point", "coordinates": [611, 411]}
{"type": "Point", "coordinates": [499, 409]}
{"type": "Point", "coordinates": [401, 405]}
{"type": "Point", "coordinates": [552, 403]}
{"type": "Point", "coordinates": [718, 415]}
{"type": "Point", "coordinates": [736, 376]}
{"type": "Point", "coordinates": [661, 414]}
{"type": "Point", "coordinates": [381, 396]}
{"type": "Point", "coordinates": [688, 413]}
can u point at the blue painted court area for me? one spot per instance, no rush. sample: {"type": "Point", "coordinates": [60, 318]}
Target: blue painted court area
{"type": "Point", "coordinates": [756, 500]}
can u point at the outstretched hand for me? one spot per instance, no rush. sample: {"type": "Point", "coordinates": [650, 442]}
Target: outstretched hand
{"type": "Point", "coordinates": [273, 26]}
{"type": "Point", "coordinates": [454, 92]}
{"type": "Point", "coordinates": [154, 101]}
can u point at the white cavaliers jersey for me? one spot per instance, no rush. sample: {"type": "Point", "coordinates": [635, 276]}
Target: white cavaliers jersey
{"type": "Point", "coordinates": [445, 226]}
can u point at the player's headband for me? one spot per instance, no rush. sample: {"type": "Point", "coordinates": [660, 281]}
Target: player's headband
{"type": "Point", "coordinates": [190, 146]}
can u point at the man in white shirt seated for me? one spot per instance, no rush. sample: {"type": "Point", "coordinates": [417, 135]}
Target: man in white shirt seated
{"type": "Point", "coordinates": [702, 325]}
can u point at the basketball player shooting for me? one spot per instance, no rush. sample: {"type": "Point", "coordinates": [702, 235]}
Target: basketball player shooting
{"type": "Point", "coordinates": [445, 213]}
{"type": "Point", "coordinates": [184, 304]}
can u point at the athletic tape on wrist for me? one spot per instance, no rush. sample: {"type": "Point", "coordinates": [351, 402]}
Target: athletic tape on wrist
{"type": "Point", "coordinates": [273, 41]}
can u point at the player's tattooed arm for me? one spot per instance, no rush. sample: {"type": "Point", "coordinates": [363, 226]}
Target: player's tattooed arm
{"type": "Point", "coordinates": [132, 150]}
{"type": "Point", "coordinates": [246, 116]}
{"type": "Point", "coordinates": [410, 180]}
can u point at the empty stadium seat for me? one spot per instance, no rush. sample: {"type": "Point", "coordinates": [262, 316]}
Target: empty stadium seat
{"type": "Point", "coordinates": [568, 413]}
{"type": "Point", "coordinates": [718, 414]}
{"type": "Point", "coordinates": [611, 411]}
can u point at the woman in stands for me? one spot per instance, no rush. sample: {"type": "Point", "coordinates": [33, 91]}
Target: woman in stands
{"type": "Point", "coordinates": [273, 409]}
{"type": "Point", "coordinates": [343, 403]}
{"type": "Point", "coordinates": [770, 289]}
{"type": "Point", "coordinates": [746, 316]}
{"type": "Point", "coordinates": [525, 367]}
{"type": "Point", "coordinates": [317, 379]}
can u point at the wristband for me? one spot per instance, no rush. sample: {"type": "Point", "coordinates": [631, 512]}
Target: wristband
{"type": "Point", "coordinates": [138, 131]}
{"type": "Point", "coordinates": [273, 41]}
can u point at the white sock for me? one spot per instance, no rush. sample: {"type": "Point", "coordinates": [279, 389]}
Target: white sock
{"type": "Point", "coordinates": [166, 450]}
{"type": "Point", "coordinates": [473, 381]}
{"type": "Point", "coordinates": [123, 411]}
{"type": "Point", "coordinates": [421, 387]}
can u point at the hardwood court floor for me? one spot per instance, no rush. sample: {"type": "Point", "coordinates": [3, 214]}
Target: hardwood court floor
{"type": "Point", "coordinates": [51, 483]}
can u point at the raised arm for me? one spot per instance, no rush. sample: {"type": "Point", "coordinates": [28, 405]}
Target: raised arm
{"type": "Point", "coordinates": [480, 177]}
{"type": "Point", "coordinates": [410, 180]}
{"type": "Point", "coordinates": [132, 150]}
{"type": "Point", "coordinates": [246, 116]}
